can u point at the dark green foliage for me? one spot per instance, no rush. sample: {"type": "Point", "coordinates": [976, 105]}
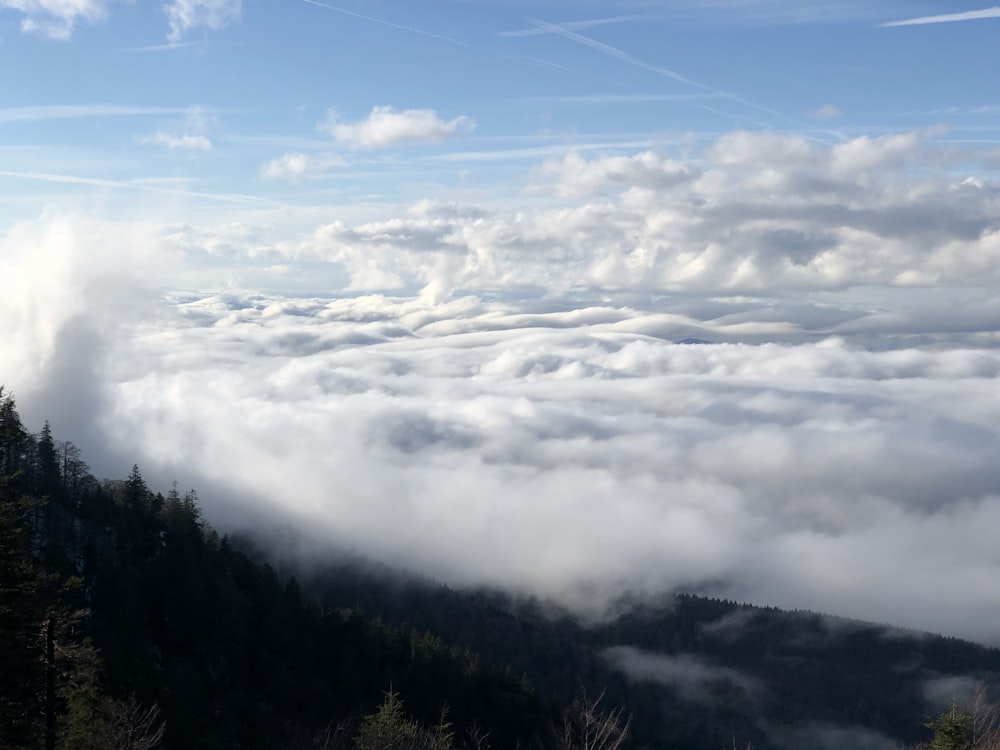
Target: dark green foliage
{"type": "Point", "coordinates": [21, 656]}
{"type": "Point", "coordinates": [236, 657]}
{"type": "Point", "coordinates": [390, 729]}
{"type": "Point", "coordinates": [21, 673]}
{"type": "Point", "coordinates": [48, 480]}
{"type": "Point", "coordinates": [953, 730]}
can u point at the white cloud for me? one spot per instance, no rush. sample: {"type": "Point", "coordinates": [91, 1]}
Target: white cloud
{"type": "Point", "coordinates": [70, 284]}
{"type": "Point", "coordinates": [690, 675]}
{"type": "Point", "coordinates": [969, 15]}
{"type": "Point", "coordinates": [751, 213]}
{"type": "Point", "coordinates": [574, 175]}
{"type": "Point", "coordinates": [867, 154]}
{"type": "Point", "coordinates": [184, 15]}
{"type": "Point", "coordinates": [298, 166]}
{"type": "Point", "coordinates": [185, 141]}
{"type": "Point", "coordinates": [386, 126]}
{"type": "Point", "coordinates": [199, 118]}
{"type": "Point", "coordinates": [827, 112]}
{"type": "Point", "coordinates": [56, 18]}
{"type": "Point", "coordinates": [579, 450]}
{"type": "Point", "coordinates": [942, 691]}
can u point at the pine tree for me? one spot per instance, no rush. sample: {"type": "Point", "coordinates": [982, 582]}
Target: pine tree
{"type": "Point", "coordinates": [390, 729]}
{"type": "Point", "coordinates": [48, 477]}
{"type": "Point", "coordinates": [136, 491]}
{"type": "Point", "coordinates": [21, 665]}
{"type": "Point", "coordinates": [952, 730]}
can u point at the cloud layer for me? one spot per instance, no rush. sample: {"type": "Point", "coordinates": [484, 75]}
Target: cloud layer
{"type": "Point", "coordinates": [582, 451]}
{"type": "Point", "coordinates": [751, 214]}
{"type": "Point", "coordinates": [518, 413]}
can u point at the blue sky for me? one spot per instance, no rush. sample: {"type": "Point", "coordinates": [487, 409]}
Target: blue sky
{"type": "Point", "coordinates": [411, 277]}
{"type": "Point", "coordinates": [202, 95]}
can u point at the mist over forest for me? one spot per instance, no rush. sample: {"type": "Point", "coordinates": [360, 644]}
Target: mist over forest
{"type": "Point", "coordinates": [565, 448]}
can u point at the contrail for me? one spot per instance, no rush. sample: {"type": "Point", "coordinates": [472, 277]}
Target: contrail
{"type": "Point", "coordinates": [607, 49]}
{"type": "Point", "coordinates": [390, 24]}
{"type": "Point", "coordinates": [450, 40]}
{"type": "Point", "coordinates": [135, 185]}
{"type": "Point", "coordinates": [169, 47]}
{"type": "Point", "coordinates": [969, 15]}
{"type": "Point", "coordinates": [584, 24]}
{"type": "Point", "coordinates": [72, 111]}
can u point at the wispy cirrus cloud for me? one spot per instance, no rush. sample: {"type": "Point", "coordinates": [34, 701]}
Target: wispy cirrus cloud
{"type": "Point", "coordinates": [168, 47]}
{"type": "Point", "coordinates": [184, 15]}
{"type": "Point", "coordinates": [387, 126]}
{"type": "Point", "coordinates": [969, 15]}
{"type": "Point", "coordinates": [56, 18]}
{"type": "Point", "coordinates": [73, 111]}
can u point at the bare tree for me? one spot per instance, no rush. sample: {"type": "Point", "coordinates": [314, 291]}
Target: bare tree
{"type": "Point", "coordinates": [132, 726]}
{"type": "Point", "coordinates": [476, 738]}
{"type": "Point", "coordinates": [587, 725]}
{"type": "Point", "coordinates": [985, 720]}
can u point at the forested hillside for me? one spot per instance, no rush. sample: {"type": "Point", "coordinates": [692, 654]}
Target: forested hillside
{"type": "Point", "coordinates": [126, 621]}
{"type": "Point", "coordinates": [120, 604]}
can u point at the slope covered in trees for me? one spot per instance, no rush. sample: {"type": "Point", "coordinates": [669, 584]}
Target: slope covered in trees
{"type": "Point", "coordinates": [126, 621]}
{"type": "Point", "coordinates": [121, 606]}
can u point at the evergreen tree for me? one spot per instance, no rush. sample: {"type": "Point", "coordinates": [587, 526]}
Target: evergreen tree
{"type": "Point", "coordinates": [136, 492]}
{"type": "Point", "coordinates": [20, 650]}
{"type": "Point", "coordinates": [49, 480]}
{"type": "Point", "coordinates": [21, 671]}
{"type": "Point", "coordinates": [13, 439]}
{"type": "Point", "coordinates": [390, 729]}
{"type": "Point", "coordinates": [952, 730]}
{"type": "Point", "coordinates": [75, 473]}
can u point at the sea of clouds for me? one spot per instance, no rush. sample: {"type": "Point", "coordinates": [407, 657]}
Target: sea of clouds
{"type": "Point", "coordinates": [492, 392]}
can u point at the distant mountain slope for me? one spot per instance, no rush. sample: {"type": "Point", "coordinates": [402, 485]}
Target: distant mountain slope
{"type": "Point", "coordinates": [698, 672]}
